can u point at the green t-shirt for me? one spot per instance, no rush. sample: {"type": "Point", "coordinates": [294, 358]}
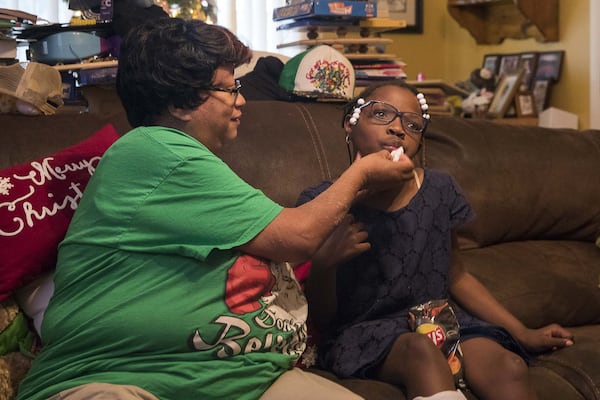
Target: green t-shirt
{"type": "Point", "coordinates": [149, 290]}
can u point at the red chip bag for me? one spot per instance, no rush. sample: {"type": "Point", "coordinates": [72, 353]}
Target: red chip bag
{"type": "Point", "coordinates": [437, 320]}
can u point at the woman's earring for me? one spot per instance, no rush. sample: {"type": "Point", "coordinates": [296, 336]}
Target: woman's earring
{"type": "Point", "coordinates": [356, 113]}
{"type": "Point", "coordinates": [348, 140]}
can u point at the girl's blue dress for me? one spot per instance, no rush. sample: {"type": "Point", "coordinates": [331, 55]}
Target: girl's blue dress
{"type": "Point", "coordinates": [408, 264]}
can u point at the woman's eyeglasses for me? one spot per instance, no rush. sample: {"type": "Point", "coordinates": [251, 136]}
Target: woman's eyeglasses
{"type": "Point", "coordinates": [235, 91]}
{"type": "Point", "coordinates": [381, 113]}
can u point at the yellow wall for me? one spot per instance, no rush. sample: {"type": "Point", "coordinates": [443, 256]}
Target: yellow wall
{"type": "Point", "coordinates": [447, 51]}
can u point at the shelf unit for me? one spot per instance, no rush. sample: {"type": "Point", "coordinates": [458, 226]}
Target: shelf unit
{"type": "Point", "coordinates": [358, 40]}
{"type": "Point", "coordinates": [492, 21]}
{"type": "Point", "coordinates": [343, 36]}
{"type": "Point", "coordinates": [353, 48]}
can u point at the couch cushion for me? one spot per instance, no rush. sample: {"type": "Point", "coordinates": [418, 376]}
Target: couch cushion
{"type": "Point", "coordinates": [558, 283]}
{"type": "Point", "coordinates": [572, 372]}
{"type": "Point", "coordinates": [523, 182]}
{"type": "Point", "coordinates": [37, 201]}
{"type": "Point", "coordinates": [301, 144]}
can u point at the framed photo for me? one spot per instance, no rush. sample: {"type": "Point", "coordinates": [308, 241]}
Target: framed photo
{"type": "Point", "coordinates": [528, 61]}
{"type": "Point", "coordinates": [491, 62]}
{"type": "Point", "coordinates": [410, 11]}
{"type": "Point", "coordinates": [505, 93]}
{"type": "Point", "coordinates": [509, 63]}
{"type": "Point", "coordinates": [525, 104]}
{"type": "Point", "coordinates": [549, 65]}
{"type": "Point", "coordinates": [541, 93]}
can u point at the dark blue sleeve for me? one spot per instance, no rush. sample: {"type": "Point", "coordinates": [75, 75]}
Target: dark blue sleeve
{"type": "Point", "coordinates": [312, 192]}
{"type": "Point", "coordinates": [460, 209]}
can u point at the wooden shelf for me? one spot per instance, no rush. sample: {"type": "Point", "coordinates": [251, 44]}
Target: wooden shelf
{"type": "Point", "coordinates": [527, 121]}
{"type": "Point", "coordinates": [492, 21]}
{"type": "Point", "coordinates": [358, 41]}
{"type": "Point", "coordinates": [366, 27]}
{"type": "Point", "coordinates": [346, 41]}
{"type": "Point", "coordinates": [370, 56]}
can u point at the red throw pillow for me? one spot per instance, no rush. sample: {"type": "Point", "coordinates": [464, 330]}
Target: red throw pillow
{"type": "Point", "coordinates": [37, 201]}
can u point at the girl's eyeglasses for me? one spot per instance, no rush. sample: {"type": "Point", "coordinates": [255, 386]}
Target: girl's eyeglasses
{"type": "Point", "coordinates": [381, 113]}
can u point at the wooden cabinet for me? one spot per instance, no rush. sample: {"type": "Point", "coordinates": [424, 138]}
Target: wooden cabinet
{"type": "Point", "coordinates": [492, 21]}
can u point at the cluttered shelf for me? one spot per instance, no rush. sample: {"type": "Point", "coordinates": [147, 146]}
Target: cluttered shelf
{"type": "Point", "coordinates": [78, 54]}
{"type": "Point", "coordinates": [351, 27]}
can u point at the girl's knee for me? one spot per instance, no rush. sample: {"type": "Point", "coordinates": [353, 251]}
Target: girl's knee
{"type": "Point", "coordinates": [513, 367]}
{"type": "Point", "coordinates": [506, 377]}
{"type": "Point", "coordinates": [419, 349]}
{"type": "Point", "coordinates": [417, 345]}
{"type": "Point", "coordinates": [505, 369]}
{"type": "Point", "coordinates": [416, 363]}
{"type": "Point", "coordinates": [486, 360]}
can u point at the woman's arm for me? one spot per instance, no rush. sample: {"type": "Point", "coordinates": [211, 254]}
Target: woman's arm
{"type": "Point", "coordinates": [296, 233]}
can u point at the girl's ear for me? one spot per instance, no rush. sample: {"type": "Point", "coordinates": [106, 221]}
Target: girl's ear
{"type": "Point", "coordinates": [180, 113]}
{"type": "Point", "coordinates": [347, 126]}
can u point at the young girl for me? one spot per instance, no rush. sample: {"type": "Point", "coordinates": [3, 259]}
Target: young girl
{"type": "Point", "coordinates": [395, 251]}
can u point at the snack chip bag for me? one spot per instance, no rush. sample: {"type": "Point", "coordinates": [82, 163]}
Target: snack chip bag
{"type": "Point", "coordinates": [437, 320]}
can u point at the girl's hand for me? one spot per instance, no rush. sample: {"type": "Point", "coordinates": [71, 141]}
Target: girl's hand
{"type": "Point", "coordinates": [348, 240]}
{"type": "Point", "coordinates": [551, 337]}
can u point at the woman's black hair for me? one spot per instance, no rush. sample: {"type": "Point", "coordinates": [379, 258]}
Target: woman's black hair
{"type": "Point", "coordinates": [168, 61]}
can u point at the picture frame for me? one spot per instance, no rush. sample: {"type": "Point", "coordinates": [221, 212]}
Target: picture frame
{"type": "Point", "coordinates": [410, 11]}
{"type": "Point", "coordinates": [549, 65]}
{"type": "Point", "coordinates": [491, 62]}
{"type": "Point", "coordinates": [541, 93]}
{"type": "Point", "coordinates": [528, 61]}
{"type": "Point", "coordinates": [509, 63]}
{"type": "Point", "coordinates": [507, 87]}
{"type": "Point", "coordinates": [525, 104]}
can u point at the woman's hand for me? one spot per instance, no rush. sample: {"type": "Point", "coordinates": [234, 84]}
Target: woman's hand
{"type": "Point", "coordinates": [551, 337]}
{"type": "Point", "coordinates": [381, 172]}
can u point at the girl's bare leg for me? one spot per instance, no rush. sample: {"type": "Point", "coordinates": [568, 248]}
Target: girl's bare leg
{"type": "Point", "coordinates": [493, 372]}
{"type": "Point", "coordinates": [415, 363]}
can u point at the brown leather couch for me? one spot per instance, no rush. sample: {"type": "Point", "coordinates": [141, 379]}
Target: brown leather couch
{"type": "Point", "coordinates": [536, 192]}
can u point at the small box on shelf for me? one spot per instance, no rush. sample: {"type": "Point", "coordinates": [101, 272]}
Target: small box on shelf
{"type": "Point", "coordinates": [326, 8]}
{"type": "Point", "coordinates": [553, 117]}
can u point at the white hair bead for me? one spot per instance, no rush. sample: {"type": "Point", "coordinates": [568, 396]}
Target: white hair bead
{"type": "Point", "coordinates": [424, 105]}
{"type": "Point", "coordinates": [356, 112]}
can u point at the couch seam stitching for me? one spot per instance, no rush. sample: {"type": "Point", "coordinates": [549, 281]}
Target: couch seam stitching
{"type": "Point", "coordinates": [580, 371]}
{"type": "Point", "coordinates": [316, 140]}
